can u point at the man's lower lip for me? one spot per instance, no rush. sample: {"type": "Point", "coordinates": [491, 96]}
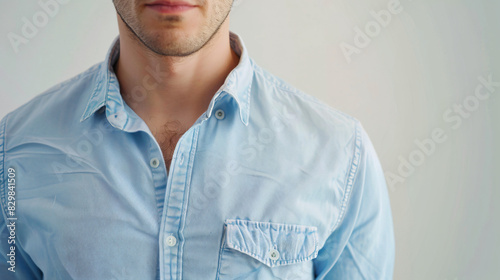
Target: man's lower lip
{"type": "Point", "coordinates": [170, 9]}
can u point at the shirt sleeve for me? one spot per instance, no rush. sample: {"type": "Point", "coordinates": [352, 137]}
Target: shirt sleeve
{"type": "Point", "coordinates": [362, 245]}
{"type": "Point", "coordinates": [14, 262]}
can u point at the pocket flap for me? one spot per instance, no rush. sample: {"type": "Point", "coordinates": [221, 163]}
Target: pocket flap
{"type": "Point", "coordinates": [271, 243]}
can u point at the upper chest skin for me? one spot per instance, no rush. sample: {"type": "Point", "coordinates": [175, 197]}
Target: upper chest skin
{"type": "Point", "coordinates": [167, 132]}
{"type": "Point", "coordinates": [167, 135]}
{"type": "Point", "coordinates": [168, 128]}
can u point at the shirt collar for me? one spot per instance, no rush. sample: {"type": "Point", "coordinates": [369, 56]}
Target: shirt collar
{"type": "Point", "coordinates": [106, 91]}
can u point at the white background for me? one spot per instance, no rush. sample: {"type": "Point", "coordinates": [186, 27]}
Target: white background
{"type": "Point", "coordinates": [427, 58]}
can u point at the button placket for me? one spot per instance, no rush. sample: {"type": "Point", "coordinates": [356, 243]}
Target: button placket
{"type": "Point", "coordinates": [171, 241]}
{"type": "Point", "coordinates": [175, 200]}
{"type": "Point", "coordinates": [181, 160]}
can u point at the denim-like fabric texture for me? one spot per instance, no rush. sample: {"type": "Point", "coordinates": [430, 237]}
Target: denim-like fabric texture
{"type": "Point", "coordinates": [294, 243]}
{"type": "Point", "coordinates": [279, 186]}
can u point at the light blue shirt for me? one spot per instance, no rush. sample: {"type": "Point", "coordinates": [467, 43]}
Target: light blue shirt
{"type": "Point", "coordinates": [269, 183]}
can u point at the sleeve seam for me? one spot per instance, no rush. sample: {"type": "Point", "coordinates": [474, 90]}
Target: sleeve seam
{"type": "Point", "coordinates": [3, 125]}
{"type": "Point", "coordinates": [350, 176]}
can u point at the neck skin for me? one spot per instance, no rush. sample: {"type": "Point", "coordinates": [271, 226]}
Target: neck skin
{"type": "Point", "coordinates": [163, 89]}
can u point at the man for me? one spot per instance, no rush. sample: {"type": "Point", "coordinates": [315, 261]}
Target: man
{"type": "Point", "coordinates": [179, 158]}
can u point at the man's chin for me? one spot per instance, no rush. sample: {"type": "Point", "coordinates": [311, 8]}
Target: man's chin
{"type": "Point", "coordinates": [170, 47]}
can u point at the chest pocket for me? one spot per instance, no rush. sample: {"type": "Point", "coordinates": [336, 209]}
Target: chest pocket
{"type": "Point", "coordinates": [262, 250]}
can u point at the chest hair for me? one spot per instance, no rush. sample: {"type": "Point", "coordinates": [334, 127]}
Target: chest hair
{"type": "Point", "coordinates": [167, 137]}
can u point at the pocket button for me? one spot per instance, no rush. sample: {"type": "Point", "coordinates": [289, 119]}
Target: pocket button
{"type": "Point", "coordinates": [274, 255]}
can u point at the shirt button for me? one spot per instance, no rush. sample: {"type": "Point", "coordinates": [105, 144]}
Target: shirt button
{"type": "Point", "coordinates": [219, 114]}
{"type": "Point", "coordinates": [274, 255]}
{"type": "Point", "coordinates": [120, 116]}
{"type": "Point", "coordinates": [171, 241]}
{"type": "Point", "coordinates": [154, 162]}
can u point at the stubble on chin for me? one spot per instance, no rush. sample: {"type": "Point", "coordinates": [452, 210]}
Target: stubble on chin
{"type": "Point", "coordinates": [171, 42]}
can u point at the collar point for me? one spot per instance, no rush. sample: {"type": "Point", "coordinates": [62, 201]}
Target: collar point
{"type": "Point", "coordinates": [244, 119]}
{"type": "Point", "coordinates": [84, 118]}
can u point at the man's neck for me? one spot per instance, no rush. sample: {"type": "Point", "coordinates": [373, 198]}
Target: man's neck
{"type": "Point", "coordinates": [162, 89]}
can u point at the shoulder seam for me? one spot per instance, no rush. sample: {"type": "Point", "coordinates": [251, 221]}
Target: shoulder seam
{"type": "Point", "coordinates": [350, 176]}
